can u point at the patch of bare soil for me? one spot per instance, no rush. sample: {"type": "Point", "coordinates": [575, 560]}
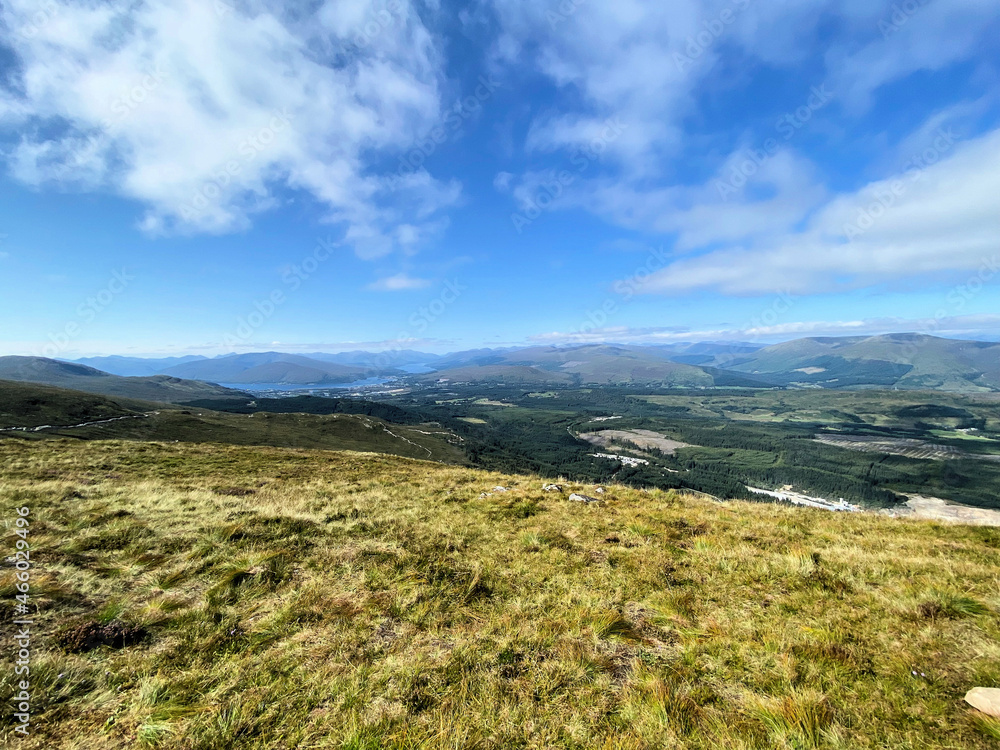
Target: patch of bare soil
{"type": "Point", "coordinates": [936, 509]}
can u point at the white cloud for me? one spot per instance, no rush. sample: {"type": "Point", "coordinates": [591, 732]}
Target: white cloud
{"type": "Point", "coordinates": [906, 37]}
{"type": "Point", "coordinates": [940, 222]}
{"type": "Point", "coordinates": [203, 113]}
{"type": "Point", "coordinates": [398, 283]}
{"type": "Point", "coordinates": [965, 326]}
{"type": "Point", "coordinates": [502, 181]}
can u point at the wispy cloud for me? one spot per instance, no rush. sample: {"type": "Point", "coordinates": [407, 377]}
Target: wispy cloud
{"type": "Point", "coordinates": [398, 283]}
{"type": "Point", "coordinates": [934, 219]}
{"type": "Point", "coordinates": [964, 326]}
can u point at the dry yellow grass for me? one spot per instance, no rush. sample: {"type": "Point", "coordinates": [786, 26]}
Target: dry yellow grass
{"type": "Point", "coordinates": [305, 599]}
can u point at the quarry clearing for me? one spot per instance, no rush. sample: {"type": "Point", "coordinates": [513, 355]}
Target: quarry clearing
{"type": "Point", "coordinates": [644, 439]}
{"type": "Point", "coordinates": [936, 509]}
{"type": "Point", "coordinates": [918, 507]}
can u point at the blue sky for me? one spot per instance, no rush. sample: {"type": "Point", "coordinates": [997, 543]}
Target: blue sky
{"type": "Point", "coordinates": [211, 177]}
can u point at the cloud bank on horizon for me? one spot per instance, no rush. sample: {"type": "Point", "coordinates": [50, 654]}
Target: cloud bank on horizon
{"type": "Point", "coordinates": [825, 147]}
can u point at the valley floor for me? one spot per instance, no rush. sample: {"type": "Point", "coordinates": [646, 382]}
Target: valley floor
{"type": "Point", "coordinates": [208, 597]}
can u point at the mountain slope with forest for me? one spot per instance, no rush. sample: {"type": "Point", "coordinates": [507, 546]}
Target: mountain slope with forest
{"type": "Point", "coordinates": [908, 361]}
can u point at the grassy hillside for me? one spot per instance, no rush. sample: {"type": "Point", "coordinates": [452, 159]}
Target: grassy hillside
{"type": "Point", "coordinates": [264, 598]}
{"type": "Point", "coordinates": [332, 432]}
{"type": "Point", "coordinates": [30, 405]}
{"type": "Point", "coordinates": [338, 424]}
{"type": "Point", "coordinates": [161, 388]}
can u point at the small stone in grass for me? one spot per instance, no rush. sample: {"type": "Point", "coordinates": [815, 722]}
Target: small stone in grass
{"type": "Point", "coordinates": [986, 700]}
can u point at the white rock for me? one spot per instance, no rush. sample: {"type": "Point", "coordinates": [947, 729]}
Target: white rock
{"type": "Point", "coordinates": [552, 488]}
{"type": "Point", "coordinates": [578, 498]}
{"type": "Point", "coordinates": [986, 700]}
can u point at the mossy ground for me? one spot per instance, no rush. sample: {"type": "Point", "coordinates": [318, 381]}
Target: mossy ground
{"type": "Point", "coordinates": [307, 599]}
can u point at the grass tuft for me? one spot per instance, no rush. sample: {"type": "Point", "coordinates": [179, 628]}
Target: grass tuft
{"type": "Point", "coordinates": [800, 718]}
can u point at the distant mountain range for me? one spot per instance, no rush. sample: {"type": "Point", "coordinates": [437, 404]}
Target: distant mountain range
{"type": "Point", "coordinates": [903, 361]}
{"type": "Point", "coordinates": [160, 388]}
{"type": "Point", "coordinates": [131, 367]}
{"type": "Point", "coordinates": [268, 367]}
{"type": "Point", "coordinates": [271, 367]}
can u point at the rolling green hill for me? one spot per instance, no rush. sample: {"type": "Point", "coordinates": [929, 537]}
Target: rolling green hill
{"type": "Point", "coordinates": [345, 425]}
{"type": "Point", "coordinates": [161, 388]}
{"type": "Point", "coordinates": [906, 361]}
{"type": "Point", "coordinates": [31, 405]}
{"type": "Point", "coordinates": [207, 596]}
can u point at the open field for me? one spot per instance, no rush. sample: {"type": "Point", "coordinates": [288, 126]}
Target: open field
{"type": "Point", "coordinates": [875, 408]}
{"type": "Point", "coordinates": [271, 598]}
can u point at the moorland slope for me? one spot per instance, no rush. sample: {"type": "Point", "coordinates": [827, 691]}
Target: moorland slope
{"type": "Point", "coordinates": [196, 596]}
